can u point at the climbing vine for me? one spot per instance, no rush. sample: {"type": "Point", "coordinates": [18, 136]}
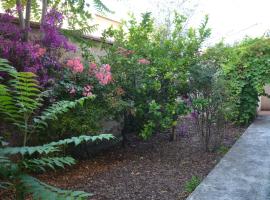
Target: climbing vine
{"type": "Point", "coordinates": [247, 72]}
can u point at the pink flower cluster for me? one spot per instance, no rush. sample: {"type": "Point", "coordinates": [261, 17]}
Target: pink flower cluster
{"type": "Point", "coordinates": [75, 65]}
{"type": "Point", "coordinates": [87, 90]}
{"type": "Point", "coordinates": [143, 61]}
{"type": "Point", "coordinates": [72, 91]}
{"type": "Point", "coordinates": [103, 73]}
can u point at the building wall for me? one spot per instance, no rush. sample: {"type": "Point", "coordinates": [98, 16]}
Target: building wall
{"type": "Point", "coordinates": [265, 101]}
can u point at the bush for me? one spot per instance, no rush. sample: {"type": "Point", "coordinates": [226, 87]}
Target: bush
{"type": "Point", "coordinates": [81, 79]}
{"type": "Point", "coordinates": [208, 96]}
{"type": "Point", "coordinates": [151, 66]}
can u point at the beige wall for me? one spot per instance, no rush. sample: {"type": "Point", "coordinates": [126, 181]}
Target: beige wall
{"type": "Point", "coordinates": [265, 101]}
{"type": "Point", "coordinates": [103, 24]}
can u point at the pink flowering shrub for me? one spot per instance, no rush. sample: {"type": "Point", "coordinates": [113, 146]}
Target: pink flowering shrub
{"type": "Point", "coordinates": [77, 80]}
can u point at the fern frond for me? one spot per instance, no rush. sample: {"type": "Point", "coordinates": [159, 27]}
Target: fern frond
{"type": "Point", "coordinates": [40, 190]}
{"type": "Point", "coordinates": [7, 105]}
{"type": "Point", "coordinates": [83, 138]}
{"type": "Point", "coordinates": [5, 67]}
{"type": "Point", "coordinates": [52, 162]}
{"type": "Point", "coordinates": [45, 149]}
{"type": "Point", "coordinates": [5, 185]}
{"type": "Point", "coordinates": [53, 146]}
{"type": "Point", "coordinates": [100, 6]}
{"type": "Point", "coordinates": [27, 92]}
{"type": "Point", "coordinates": [55, 110]}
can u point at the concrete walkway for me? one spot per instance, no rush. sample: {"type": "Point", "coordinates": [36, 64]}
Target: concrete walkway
{"type": "Point", "coordinates": [244, 172]}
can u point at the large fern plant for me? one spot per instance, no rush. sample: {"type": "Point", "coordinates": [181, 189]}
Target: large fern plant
{"type": "Point", "coordinates": [20, 101]}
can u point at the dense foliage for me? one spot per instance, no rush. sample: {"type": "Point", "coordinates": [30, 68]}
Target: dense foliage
{"type": "Point", "coordinates": [151, 66]}
{"type": "Point", "coordinates": [246, 68]}
{"type": "Point", "coordinates": [20, 99]}
{"type": "Point", "coordinates": [208, 96]}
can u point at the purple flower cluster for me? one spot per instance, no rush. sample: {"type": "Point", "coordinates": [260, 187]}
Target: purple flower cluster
{"type": "Point", "coordinates": [8, 29]}
{"type": "Point", "coordinates": [51, 28]}
{"type": "Point", "coordinates": [33, 56]}
{"type": "Point", "coordinates": [182, 130]}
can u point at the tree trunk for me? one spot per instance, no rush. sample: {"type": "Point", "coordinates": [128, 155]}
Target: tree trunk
{"type": "Point", "coordinates": [44, 10]}
{"type": "Point", "coordinates": [20, 14]}
{"type": "Point", "coordinates": [173, 136]}
{"type": "Point", "coordinates": [27, 19]}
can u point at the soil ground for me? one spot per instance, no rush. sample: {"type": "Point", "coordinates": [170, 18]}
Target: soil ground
{"type": "Point", "coordinates": [156, 169]}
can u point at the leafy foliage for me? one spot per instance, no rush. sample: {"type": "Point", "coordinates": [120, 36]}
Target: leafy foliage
{"type": "Point", "coordinates": [21, 92]}
{"type": "Point", "coordinates": [246, 67]}
{"type": "Point", "coordinates": [208, 96]}
{"type": "Point", "coordinates": [151, 66]}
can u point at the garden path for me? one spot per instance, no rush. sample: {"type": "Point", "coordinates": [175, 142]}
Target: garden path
{"type": "Point", "coordinates": [244, 172]}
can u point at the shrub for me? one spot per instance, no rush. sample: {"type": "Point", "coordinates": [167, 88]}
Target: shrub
{"type": "Point", "coordinates": [208, 96]}
{"type": "Point", "coordinates": [80, 79]}
{"type": "Point", "coordinates": [151, 66]}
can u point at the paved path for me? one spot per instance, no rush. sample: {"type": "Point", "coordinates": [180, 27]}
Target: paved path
{"type": "Point", "coordinates": [244, 172]}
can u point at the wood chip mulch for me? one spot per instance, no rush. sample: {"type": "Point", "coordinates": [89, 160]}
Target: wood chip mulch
{"type": "Point", "coordinates": [156, 169]}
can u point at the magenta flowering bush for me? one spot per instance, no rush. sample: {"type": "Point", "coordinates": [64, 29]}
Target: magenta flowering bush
{"type": "Point", "coordinates": [39, 56]}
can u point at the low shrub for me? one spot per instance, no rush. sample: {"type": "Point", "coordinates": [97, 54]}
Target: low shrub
{"type": "Point", "coordinates": [191, 184]}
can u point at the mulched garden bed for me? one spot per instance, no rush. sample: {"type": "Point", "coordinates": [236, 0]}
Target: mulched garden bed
{"type": "Point", "coordinates": [155, 169]}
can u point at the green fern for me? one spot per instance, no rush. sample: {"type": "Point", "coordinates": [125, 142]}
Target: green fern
{"type": "Point", "coordinates": [55, 110]}
{"type": "Point", "coordinates": [40, 190]}
{"type": "Point", "coordinates": [5, 67]}
{"type": "Point", "coordinates": [20, 99]}
{"type": "Point", "coordinates": [42, 164]}
{"type": "Point", "coordinates": [7, 106]}
{"type": "Point", "coordinates": [28, 150]}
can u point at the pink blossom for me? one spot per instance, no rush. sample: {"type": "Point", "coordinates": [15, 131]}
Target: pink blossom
{"type": "Point", "coordinates": [72, 91]}
{"type": "Point", "coordinates": [41, 52]}
{"type": "Point", "coordinates": [143, 61]}
{"type": "Point", "coordinates": [102, 73]}
{"type": "Point", "coordinates": [75, 65]}
{"type": "Point", "coordinates": [87, 90]}
{"type": "Point", "coordinates": [107, 68]}
{"type": "Point", "coordinates": [93, 66]}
